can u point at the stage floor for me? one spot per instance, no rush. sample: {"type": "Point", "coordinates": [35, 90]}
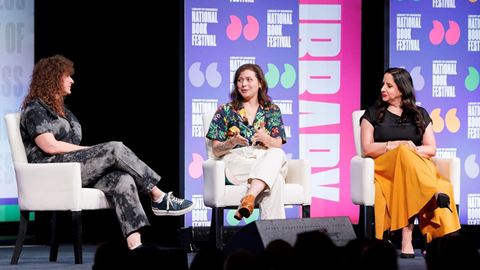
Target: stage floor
{"type": "Point", "coordinates": [36, 257]}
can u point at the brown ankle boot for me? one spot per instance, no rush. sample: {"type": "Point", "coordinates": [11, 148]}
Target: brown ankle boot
{"type": "Point", "coordinates": [245, 208]}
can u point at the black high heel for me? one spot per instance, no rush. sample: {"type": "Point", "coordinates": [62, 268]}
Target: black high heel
{"type": "Point", "coordinates": [423, 249]}
{"type": "Point", "coordinates": [443, 201]}
{"type": "Point", "coordinates": [386, 236]}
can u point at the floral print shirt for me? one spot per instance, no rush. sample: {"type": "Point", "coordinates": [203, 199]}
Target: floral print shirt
{"type": "Point", "coordinates": [38, 118]}
{"type": "Point", "coordinates": [227, 117]}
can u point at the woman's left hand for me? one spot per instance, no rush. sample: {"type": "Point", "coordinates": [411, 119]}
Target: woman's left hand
{"type": "Point", "coordinates": [261, 137]}
{"type": "Point", "coordinates": [421, 151]}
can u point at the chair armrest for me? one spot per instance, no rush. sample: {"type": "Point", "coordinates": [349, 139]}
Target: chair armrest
{"type": "Point", "coordinates": [36, 182]}
{"type": "Point", "coordinates": [362, 186]}
{"type": "Point", "coordinates": [214, 182]}
{"type": "Point", "coordinates": [299, 172]}
{"type": "Point", "coordinates": [449, 169]}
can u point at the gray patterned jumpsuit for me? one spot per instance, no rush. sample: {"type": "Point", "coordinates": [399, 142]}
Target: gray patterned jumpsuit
{"type": "Point", "coordinates": [111, 167]}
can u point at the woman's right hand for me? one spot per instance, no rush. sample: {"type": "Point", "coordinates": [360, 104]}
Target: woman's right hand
{"type": "Point", "coordinates": [238, 139]}
{"type": "Point", "coordinates": [221, 148]}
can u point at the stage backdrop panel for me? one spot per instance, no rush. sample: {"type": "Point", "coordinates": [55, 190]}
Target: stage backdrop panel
{"type": "Point", "coordinates": [16, 64]}
{"type": "Point", "coordinates": [310, 52]}
{"type": "Point", "coordinates": [439, 43]}
{"type": "Point", "coordinates": [329, 91]}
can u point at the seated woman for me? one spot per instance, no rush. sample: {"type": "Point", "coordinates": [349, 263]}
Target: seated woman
{"type": "Point", "coordinates": [398, 135]}
{"type": "Point", "coordinates": [52, 133]}
{"type": "Point", "coordinates": [247, 134]}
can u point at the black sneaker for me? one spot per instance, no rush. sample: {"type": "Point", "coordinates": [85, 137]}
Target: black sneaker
{"type": "Point", "coordinates": [172, 206]}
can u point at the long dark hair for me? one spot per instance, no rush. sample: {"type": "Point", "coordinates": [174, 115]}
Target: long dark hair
{"type": "Point", "coordinates": [404, 82]}
{"type": "Point", "coordinates": [46, 82]}
{"type": "Point", "coordinates": [263, 97]}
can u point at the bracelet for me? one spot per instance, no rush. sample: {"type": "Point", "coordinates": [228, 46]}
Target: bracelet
{"type": "Point", "coordinates": [386, 146]}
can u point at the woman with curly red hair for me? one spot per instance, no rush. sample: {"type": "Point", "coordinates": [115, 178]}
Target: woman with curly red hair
{"type": "Point", "coordinates": [51, 133]}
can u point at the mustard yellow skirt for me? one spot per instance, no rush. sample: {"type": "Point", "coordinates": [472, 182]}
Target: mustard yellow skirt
{"type": "Point", "coordinates": [405, 187]}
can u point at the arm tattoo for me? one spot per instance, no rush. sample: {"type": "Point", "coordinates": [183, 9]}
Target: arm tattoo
{"type": "Point", "coordinates": [223, 147]}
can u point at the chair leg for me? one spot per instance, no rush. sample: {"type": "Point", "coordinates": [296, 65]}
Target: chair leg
{"type": "Point", "coordinates": [22, 230]}
{"type": "Point", "coordinates": [216, 227]}
{"type": "Point", "coordinates": [53, 237]}
{"type": "Point", "coordinates": [77, 236]}
{"type": "Point", "coordinates": [369, 222]}
{"type": "Point", "coordinates": [305, 211]}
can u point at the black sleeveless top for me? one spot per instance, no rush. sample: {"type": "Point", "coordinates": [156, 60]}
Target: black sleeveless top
{"type": "Point", "coordinates": [393, 128]}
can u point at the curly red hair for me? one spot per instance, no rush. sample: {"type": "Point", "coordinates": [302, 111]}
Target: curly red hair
{"type": "Point", "coordinates": [46, 82]}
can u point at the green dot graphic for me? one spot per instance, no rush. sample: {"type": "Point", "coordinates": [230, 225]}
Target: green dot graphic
{"type": "Point", "coordinates": [289, 76]}
{"type": "Point", "coordinates": [472, 80]}
{"type": "Point", "coordinates": [272, 76]}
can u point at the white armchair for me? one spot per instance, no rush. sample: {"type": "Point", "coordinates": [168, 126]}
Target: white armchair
{"type": "Point", "coordinates": [218, 196]}
{"type": "Point", "coordinates": [49, 187]}
{"type": "Point", "coordinates": [362, 188]}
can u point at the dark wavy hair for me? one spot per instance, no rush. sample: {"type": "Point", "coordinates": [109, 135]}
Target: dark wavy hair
{"type": "Point", "coordinates": [404, 82]}
{"type": "Point", "coordinates": [46, 83]}
{"type": "Point", "coordinates": [263, 98]}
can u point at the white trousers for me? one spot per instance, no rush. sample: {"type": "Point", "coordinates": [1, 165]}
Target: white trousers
{"type": "Point", "coordinates": [270, 165]}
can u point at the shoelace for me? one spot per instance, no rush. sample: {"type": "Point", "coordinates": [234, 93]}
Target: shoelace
{"type": "Point", "coordinates": [171, 198]}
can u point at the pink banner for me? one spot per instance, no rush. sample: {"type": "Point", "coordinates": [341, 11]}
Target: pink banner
{"type": "Point", "coordinates": [329, 91]}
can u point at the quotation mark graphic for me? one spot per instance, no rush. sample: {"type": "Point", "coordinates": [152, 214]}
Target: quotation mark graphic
{"type": "Point", "coordinates": [250, 30]}
{"type": "Point", "coordinates": [417, 77]}
{"type": "Point", "coordinates": [438, 33]}
{"type": "Point", "coordinates": [472, 80]}
{"type": "Point", "coordinates": [195, 167]}
{"type": "Point", "coordinates": [451, 120]}
{"type": "Point", "coordinates": [196, 77]}
{"type": "Point", "coordinates": [472, 169]}
{"type": "Point", "coordinates": [287, 79]}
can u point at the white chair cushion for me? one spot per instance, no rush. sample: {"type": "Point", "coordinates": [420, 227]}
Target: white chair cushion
{"type": "Point", "coordinates": [93, 198]}
{"type": "Point", "coordinates": [217, 194]}
{"type": "Point", "coordinates": [294, 194]}
{"type": "Point", "coordinates": [49, 186]}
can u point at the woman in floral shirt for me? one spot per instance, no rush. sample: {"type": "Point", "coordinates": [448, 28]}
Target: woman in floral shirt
{"type": "Point", "coordinates": [248, 133]}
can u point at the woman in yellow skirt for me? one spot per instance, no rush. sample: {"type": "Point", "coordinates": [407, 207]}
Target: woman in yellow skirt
{"type": "Point", "coordinates": [398, 135]}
